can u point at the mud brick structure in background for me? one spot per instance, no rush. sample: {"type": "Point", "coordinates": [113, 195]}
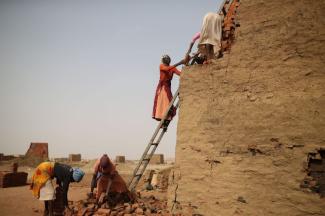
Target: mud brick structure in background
{"type": "Point", "coordinates": [61, 160]}
{"type": "Point", "coordinates": [157, 159]}
{"type": "Point", "coordinates": [120, 159]}
{"type": "Point", "coordinates": [6, 157]}
{"type": "Point", "coordinates": [74, 157]}
{"type": "Point", "coordinates": [38, 150]}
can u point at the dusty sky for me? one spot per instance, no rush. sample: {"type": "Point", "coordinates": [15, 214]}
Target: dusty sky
{"type": "Point", "coordinates": [81, 75]}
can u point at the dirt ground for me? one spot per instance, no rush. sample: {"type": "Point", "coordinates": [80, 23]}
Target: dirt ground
{"type": "Point", "coordinates": [19, 201]}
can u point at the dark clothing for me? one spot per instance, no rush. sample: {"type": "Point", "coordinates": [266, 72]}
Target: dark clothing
{"type": "Point", "coordinates": [63, 175]}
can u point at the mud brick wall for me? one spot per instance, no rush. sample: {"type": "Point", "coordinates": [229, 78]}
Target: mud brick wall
{"type": "Point", "coordinates": [157, 159]}
{"type": "Point", "coordinates": [120, 159]}
{"type": "Point", "coordinates": [248, 121]}
{"type": "Point", "coordinates": [61, 160]}
{"type": "Point", "coordinates": [38, 150]}
{"type": "Point", "coordinates": [75, 157]}
{"type": "Point", "coordinates": [6, 157]}
{"type": "Point", "coordinates": [8, 179]}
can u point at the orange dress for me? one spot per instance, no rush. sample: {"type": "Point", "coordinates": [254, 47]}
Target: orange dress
{"type": "Point", "coordinates": [164, 94]}
{"type": "Point", "coordinates": [109, 174]}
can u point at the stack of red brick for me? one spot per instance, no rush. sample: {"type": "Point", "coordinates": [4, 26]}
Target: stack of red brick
{"type": "Point", "coordinates": [11, 179]}
{"type": "Point", "coordinates": [229, 25]}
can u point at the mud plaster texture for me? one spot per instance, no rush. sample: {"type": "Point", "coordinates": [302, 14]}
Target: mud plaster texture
{"type": "Point", "coordinates": [247, 121]}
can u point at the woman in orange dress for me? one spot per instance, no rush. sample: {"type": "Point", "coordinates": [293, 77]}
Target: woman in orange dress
{"type": "Point", "coordinates": [164, 94]}
{"type": "Point", "coordinates": [106, 176]}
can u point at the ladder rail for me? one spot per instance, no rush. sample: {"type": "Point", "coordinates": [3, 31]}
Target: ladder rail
{"type": "Point", "coordinates": [151, 142]}
{"type": "Point", "coordinates": [149, 156]}
{"type": "Point", "coordinates": [144, 164]}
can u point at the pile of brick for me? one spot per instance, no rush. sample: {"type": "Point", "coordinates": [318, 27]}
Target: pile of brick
{"type": "Point", "coordinates": [157, 159]}
{"type": "Point", "coordinates": [74, 157]}
{"type": "Point", "coordinates": [12, 179]}
{"type": "Point", "coordinates": [120, 159]}
{"type": "Point", "coordinates": [145, 206]}
{"type": "Point", "coordinates": [229, 25]}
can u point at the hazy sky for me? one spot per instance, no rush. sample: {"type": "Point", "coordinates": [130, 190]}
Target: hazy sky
{"type": "Point", "coordinates": [81, 75]}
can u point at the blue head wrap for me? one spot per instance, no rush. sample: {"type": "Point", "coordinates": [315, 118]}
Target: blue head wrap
{"type": "Point", "coordinates": [77, 174]}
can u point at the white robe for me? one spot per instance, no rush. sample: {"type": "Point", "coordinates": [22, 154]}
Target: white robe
{"type": "Point", "coordinates": [211, 31]}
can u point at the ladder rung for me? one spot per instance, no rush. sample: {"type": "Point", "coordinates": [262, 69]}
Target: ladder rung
{"type": "Point", "coordinates": [145, 159]}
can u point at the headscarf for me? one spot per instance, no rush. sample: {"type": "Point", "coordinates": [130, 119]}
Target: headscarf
{"type": "Point", "coordinates": [104, 161]}
{"type": "Point", "coordinates": [77, 174]}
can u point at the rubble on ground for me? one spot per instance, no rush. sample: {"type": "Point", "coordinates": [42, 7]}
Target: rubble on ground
{"type": "Point", "coordinates": [142, 206]}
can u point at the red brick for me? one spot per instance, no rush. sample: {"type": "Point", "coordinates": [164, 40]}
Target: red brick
{"type": "Point", "coordinates": [8, 179]}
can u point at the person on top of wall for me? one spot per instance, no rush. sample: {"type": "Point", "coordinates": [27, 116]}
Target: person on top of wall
{"type": "Point", "coordinates": [197, 57]}
{"type": "Point", "coordinates": [164, 94]}
{"type": "Point", "coordinates": [42, 186]}
{"type": "Point", "coordinates": [108, 181]}
{"type": "Point", "coordinates": [209, 37]}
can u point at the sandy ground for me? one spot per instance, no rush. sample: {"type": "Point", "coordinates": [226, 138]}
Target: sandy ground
{"type": "Point", "coordinates": [19, 201]}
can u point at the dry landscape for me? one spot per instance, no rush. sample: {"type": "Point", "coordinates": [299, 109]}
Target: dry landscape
{"type": "Point", "coordinates": [251, 129]}
{"type": "Point", "coordinates": [20, 201]}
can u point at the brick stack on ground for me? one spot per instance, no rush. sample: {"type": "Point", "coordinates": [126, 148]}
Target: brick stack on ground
{"type": "Point", "coordinates": [120, 159]}
{"type": "Point", "coordinates": [157, 159]}
{"type": "Point", "coordinates": [12, 178]}
{"type": "Point", "coordinates": [74, 157]}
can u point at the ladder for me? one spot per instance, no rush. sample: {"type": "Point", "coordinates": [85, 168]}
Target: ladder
{"type": "Point", "coordinates": [160, 131]}
{"type": "Point", "coordinates": [152, 145]}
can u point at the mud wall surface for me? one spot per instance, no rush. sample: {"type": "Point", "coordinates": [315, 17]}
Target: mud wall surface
{"type": "Point", "coordinates": [248, 121]}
